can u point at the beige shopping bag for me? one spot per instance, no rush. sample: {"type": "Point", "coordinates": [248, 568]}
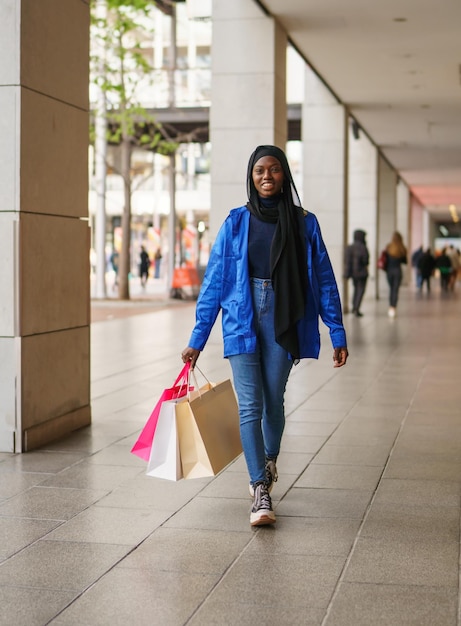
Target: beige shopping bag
{"type": "Point", "coordinates": [208, 430]}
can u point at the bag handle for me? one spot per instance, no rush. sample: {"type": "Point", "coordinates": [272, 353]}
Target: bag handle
{"type": "Point", "coordinates": [192, 373]}
{"type": "Point", "coordinates": [183, 374]}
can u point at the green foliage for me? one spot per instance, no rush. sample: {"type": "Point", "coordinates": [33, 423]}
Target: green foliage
{"type": "Point", "coordinates": [121, 38]}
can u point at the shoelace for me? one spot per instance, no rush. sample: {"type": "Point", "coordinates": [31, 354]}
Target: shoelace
{"type": "Point", "coordinates": [262, 498]}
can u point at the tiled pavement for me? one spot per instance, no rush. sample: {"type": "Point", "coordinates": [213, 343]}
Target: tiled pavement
{"type": "Point", "coordinates": [367, 502]}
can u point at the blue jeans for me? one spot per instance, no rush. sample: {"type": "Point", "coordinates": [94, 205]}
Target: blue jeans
{"type": "Point", "coordinates": [260, 380]}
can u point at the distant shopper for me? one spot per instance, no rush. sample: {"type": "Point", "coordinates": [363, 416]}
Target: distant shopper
{"type": "Point", "coordinates": [144, 266]}
{"type": "Point", "coordinates": [443, 264]}
{"type": "Point", "coordinates": [396, 256]}
{"type": "Point", "coordinates": [453, 253]}
{"type": "Point", "coordinates": [114, 261]}
{"type": "Point", "coordinates": [356, 261]}
{"type": "Point", "coordinates": [426, 266]}
{"type": "Point", "coordinates": [415, 257]}
{"type": "Point", "coordinates": [157, 263]}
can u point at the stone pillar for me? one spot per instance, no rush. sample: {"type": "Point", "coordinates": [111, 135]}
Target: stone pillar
{"type": "Point", "coordinates": [387, 215]}
{"type": "Point", "coordinates": [363, 200]}
{"type": "Point", "coordinates": [324, 140]}
{"type": "Point", "coordinates": [248, 96]}
{"type": "Point", "coordinates": [44, 232]}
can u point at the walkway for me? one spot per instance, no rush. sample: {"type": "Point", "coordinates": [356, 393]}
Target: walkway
{"type": "Point", "coordinates": [367, 501]}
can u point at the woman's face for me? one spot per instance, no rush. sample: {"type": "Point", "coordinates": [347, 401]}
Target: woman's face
{"type": "Point", "coordinates": [267, 176]}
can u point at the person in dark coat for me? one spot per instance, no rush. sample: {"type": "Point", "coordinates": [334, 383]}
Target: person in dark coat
{"type": "Point", "coordinates": [144, 265]}
{"type": "Point", "coordinates": [443, 264]}
{"type": "Point", "coordinates": [426, 266]}
{"type": "Point", "coordinates": [356, 261]}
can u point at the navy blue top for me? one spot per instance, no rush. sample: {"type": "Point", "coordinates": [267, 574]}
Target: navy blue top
{"type": "Point", "coordinates": [259, 247]}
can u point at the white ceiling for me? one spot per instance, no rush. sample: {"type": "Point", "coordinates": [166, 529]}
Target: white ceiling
{"type": "Point", "coordinates": [396, 65]}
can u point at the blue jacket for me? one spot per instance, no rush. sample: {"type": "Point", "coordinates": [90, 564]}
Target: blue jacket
{"type": "Point", "coordinates": [226, 288]}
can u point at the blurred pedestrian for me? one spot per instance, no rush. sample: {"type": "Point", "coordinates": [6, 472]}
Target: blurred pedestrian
{"type": "Point", "coordinates": [114, 260]}
{"type": "Point", "coordinates": [415, 257]}
{"type": "Point", "coordinates": [157, 263]}
{"type": "Point", "coordinates": [426, 266]}
{"type": "Point", "coordinates": [144, 264]}
{"type": "Point", "coordinates": [356, 259]}
{"type": "Point", "coordinates": [455, 263]}
{"type": "Point", "coordinates": [396, 256]}
{"type": "Point", "coordinates": [443, 264]}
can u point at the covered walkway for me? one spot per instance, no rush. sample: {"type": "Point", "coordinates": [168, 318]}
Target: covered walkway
{"type": "Point", "coordinates": [367, 501]}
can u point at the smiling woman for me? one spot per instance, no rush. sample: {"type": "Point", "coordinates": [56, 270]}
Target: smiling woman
{"type": "Point", "coordinates": [258, 276]}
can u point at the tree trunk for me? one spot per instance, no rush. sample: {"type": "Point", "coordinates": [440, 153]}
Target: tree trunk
{"type": "Point", "coordinates": [125, 252]}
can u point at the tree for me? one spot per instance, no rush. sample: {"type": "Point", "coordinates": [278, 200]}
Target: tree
{"type": "Point", "coordinates": [123, 32]}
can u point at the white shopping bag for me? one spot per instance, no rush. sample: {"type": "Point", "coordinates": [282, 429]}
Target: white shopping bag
{"type": "Point", "coordinates": [165, 459]}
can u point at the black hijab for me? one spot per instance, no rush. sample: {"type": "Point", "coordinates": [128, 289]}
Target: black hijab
{"type": "Point", "coordinates": [288, 249]}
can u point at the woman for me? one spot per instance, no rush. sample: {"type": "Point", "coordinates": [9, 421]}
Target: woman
{"type": "Point", "coordinates": [396, 255]}
{"type": "Point", "coordinates": [270, 274]}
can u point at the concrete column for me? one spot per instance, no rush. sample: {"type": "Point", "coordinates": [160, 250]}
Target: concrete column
{"type": "Point", "coordinates": [44, 233]}
{"type": "Point", "coordinates": [248, 95]}
{"type": "Point", "coordinates": [363, 199]}
{"type": "Point", "coordinates": [387, 215]}
{"type": "Point", "coordinates": [325, 166]}
{"type": "Point", "coordinates": [403, 222]}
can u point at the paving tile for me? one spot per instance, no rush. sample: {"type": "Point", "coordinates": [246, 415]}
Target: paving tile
{"type": "Point", "coordinates": [213, 514]}
{"type": "Point", "coordinates": [100, 524]}
{"type": "Point", "coordinates": [301, 414]}
{"type": "Point", "coordinates": [393, 561]}
{"type": "Point", "coordinates": [307, 535]}
{"type": "Point", "coordinates": [383, 605]}
{"type": "Point", "coordinates": [153, 493]}
{"type": "Point", "coordinates": [309, 429]}
{"type": "Point", "coordinates": [331, 454]}
{"type": "Point", "coordinates": [340, 477]}
{"type": "Point", "coordinates": [40, 461]}
{"type": "Point", "coordinates": [90, 476]}
{"type": "Point", "coordinates": [14, 483]}
{"type": "Point", "coordinates": [50, 503]}
{"type": "Point", "coordinates": [299, 580]}
{"type": "Point", "coordinates": [215, 610]}
{"type": "Point", "coordinates": [188, 551]}
{"type": "Point", "coordinates": [295, 443]}
{"type": "Point", "coordinates": [139, 596]}
{"type": "Point", "coordinates": [17, 533]}
{"type": "Point", "coordinates": [413, 523]}
{"type": "Point", "coordinates": [325, 503]}
{"type": "Point", "coordinates": [60, 565]}
{"type": "Point", "coordinates": [420, 492]}
{"type": "Point", "coordinates": [426, 467]}
{"type": "Point", "coordinates": [24, 606]}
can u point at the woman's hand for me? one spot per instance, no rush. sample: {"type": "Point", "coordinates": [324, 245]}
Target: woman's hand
{"type": "Point", "coordinates": [190, 355]}
{"type": "Point", "coordinates": [340, 357]}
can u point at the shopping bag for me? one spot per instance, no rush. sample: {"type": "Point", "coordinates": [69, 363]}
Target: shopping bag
{"type": "Point", "coordinates": [382, 261]}
{"type": "Point", "coordinates": [164, 459]}
{"type": "Point", "coordinates": [180, 388]}
{"type": "Point", "coordinates": [208, 429]}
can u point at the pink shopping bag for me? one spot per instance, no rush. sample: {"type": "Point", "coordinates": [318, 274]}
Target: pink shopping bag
{"type": "Point", "coordinates": [179, 389]}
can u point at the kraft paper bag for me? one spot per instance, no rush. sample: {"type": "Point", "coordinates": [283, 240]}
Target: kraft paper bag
{"type": "Point", "coordinates": [165, 460]}
{"type": "Point", "coordinates": [208, 430]}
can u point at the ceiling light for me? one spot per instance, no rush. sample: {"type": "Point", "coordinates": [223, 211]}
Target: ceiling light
{"type": "Point", "coordinates": [400, 19]}
{"type": "Point", "coordinates": [453, 213]}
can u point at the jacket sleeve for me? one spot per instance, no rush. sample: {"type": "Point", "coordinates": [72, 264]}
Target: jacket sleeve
{"type": "Point", "coordinates": [209, 300]}
{"type": "Point", "coordinates": [329, 301]}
